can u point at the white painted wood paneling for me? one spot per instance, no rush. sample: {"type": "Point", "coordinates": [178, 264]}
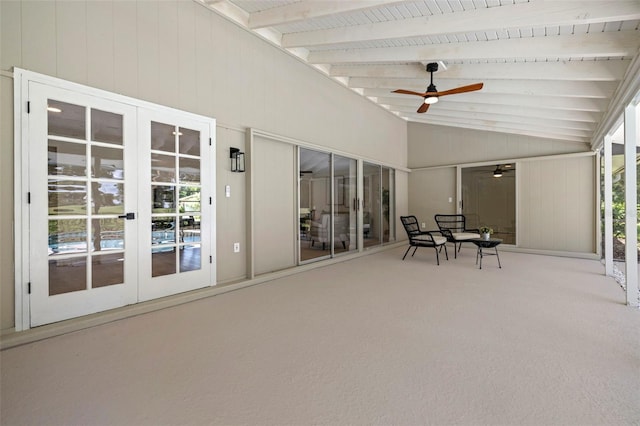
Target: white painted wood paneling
{"type": "Point", "coordinates": [273, 205]}
{"type": "Point", "coordinates": [125, 48]}
{"type": "Point", "coordinates": [429, 192]}
{"type": "Point", "coordinates": [7, 289]}
{"type": "Point", "coordinates": [150, 86]}
{"type": "Point", "coordinates": [100, 45]}
{"type": "Point", "coordinates": [556, 199]}
{"type": "Point", "coordinates": [10, 24]}
{"type": "Point", "coordinates": [168, 52]}
{"type": "Point", "coordinates": [430, 145]}
{"type": "Point", "coordinates": [39, 37]}
{"type": "Point", "coordinates": [71, 41]}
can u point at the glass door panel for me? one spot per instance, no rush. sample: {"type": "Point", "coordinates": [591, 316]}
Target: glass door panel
{"type": "Point", "coordinates": [489, 199]}
{"type": "Point", "coordinates": [345, 201]}
{"type": "Point", "coordinates": [314, 204]}
{"type": "Point", "coordinates": [388, 204]}
{"type": "Point", "coordinates": [372, 226]}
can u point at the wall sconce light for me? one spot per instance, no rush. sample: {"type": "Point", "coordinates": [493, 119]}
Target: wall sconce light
{"type": "Point", "coordinates": [237, 160]}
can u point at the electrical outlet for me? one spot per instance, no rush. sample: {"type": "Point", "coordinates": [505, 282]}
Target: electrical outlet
{"type": "Point", "coordinates": [424, 225]}
{"type": "Point", "coordinates": [236, 247]}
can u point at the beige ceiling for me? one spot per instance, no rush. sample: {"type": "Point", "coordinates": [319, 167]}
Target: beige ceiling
{"type": "Point", "coordinates": [550, 68]}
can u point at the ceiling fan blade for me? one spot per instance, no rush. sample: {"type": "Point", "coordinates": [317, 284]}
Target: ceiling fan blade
{"type": "Point", "coordinates": [423, 108]}
{"type": "Point", "coordinates": [462, 89]}
{"type": "Point", "coordinates": [409, 92]}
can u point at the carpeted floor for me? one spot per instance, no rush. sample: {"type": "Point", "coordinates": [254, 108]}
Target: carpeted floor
{"type": "Point", "coordinates": [370, 341]}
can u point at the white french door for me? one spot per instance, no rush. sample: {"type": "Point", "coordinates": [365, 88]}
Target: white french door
{"type": "Point", "coordinates": [176, 204]}
{"type": "Point", "coordinates": [82, 177]}
{"type": "Point", "coordinates": [120, 206]}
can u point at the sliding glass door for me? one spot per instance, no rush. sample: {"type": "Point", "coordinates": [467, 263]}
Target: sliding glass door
{"type": "Point", "coordinates": [378, 204]}
{"type": "Point", "coordinates": [345, 204]}
{"type": "Point", "coordinates": [327, 204]}
{"type": "Point", "coordinates": [489, 199]}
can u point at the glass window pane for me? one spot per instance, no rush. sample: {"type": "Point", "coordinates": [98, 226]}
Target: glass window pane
{"type": "Point", "coordinates": [66, 119]}
{"type": "Point", "coordinates": [67, 275]}
{"type": "Point", "coordinates": [67, 158]}
{"type": "Point", "coordinates": [189, 142]}
{"type": "Point", "coordinates": [108, 197]}
{"type": "Point", "coordinates": [190, 258]}
{"type": "Point", "coordinates": [107, 234]}
{"type": "Point", "coordinates": [107, 162]}
{"type": "Point", "coordinates": [67, 236]}
{"type": "Point", "coordinates": [163, 261]}
{"type": "Point", "coordinates": [163, 200]}
{"type": "Point", "coordinates": [163, 137]}
{"type": "Point", "coordinates": [189, 170]}
{"type": "Point", "coordinates": [67, 197]}
{"type": "Point", "coordinates": [107, 270]}
{"type": "Point", "coordinates": [189, 229]}
{"type": "Point", "coordinates": [163, 168]}
{"type": "Point", "coordinates": [163, 230]}
{"type": "Point", "coordinates": [189, 199]}
{"type": "Point", "coordinates": [106, 127]}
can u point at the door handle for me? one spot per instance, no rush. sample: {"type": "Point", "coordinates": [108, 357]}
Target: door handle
{"type": "Point", "coordinates": [128, 216]}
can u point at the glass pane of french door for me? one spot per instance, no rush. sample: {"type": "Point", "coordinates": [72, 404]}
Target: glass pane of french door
{"type": "Point", "coordinates": [82, 150]}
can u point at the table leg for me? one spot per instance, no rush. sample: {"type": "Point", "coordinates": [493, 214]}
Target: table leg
{"type": "Point", "coordinates": [499, 265]}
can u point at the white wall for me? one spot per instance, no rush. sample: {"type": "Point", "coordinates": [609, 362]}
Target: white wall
{"type": "Point", "coordinates": [180, 54]}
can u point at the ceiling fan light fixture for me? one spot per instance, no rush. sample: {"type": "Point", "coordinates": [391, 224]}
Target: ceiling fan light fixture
{"type": "Point", "coordinates": [431, 100]}
{"type": "Point", "coordinates": [497, 172]}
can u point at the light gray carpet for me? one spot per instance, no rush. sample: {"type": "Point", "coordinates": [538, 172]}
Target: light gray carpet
{"type": "Point", "coordinates": [371, 341]}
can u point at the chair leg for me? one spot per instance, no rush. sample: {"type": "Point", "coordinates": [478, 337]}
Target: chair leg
{"type": "Point", "coordinates": [445, 250]}
{"type": "Point", "coordinates": [405, 253]}
{"type": "Point", "coordinates": [437, 256]}
{"type": "Point", "coordinates": [455, 250]}
{"type": "Point", "coordinates": [414, 251]}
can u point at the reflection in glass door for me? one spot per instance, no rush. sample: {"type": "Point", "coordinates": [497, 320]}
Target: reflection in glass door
{"type": "Point", "coordinates": [314, 204]}
{"type": "Point", "coordinates": [489, 199]}
{"type": "Point", "coordinates": [378, 204]}
{"type": "Point", "coordinates": [371, 205]}
{"type": "Point", "coordinates": [345, 204]}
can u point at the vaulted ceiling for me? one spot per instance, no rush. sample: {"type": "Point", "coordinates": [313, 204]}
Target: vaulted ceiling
{"type": "Point", "coordinates": [550, 68]}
